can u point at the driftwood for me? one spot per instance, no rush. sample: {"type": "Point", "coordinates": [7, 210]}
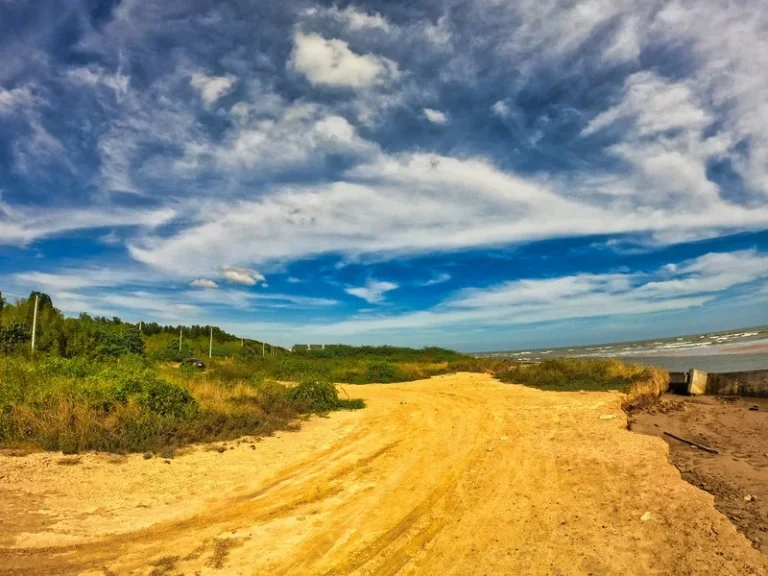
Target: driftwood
{"type": "Point", "coordinates": [692, 443]}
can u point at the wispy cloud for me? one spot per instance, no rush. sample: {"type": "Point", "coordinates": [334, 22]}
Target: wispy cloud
{"type": "Point", "coordinates": [352, 17]}
{"type": "Point", "coordinates": [438, 279]}
{"type": "Point", "coordinates": [373, 291]}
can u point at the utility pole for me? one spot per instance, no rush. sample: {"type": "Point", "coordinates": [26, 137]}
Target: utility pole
{"type": "Point", "coordinates": [210, 344]}
{"type": "Point", "coordinates": [262, 349]}
{"type": "Point", "coordinates": [34, 322]}
{"type": "Point", "coordinates": [180, 329]}
{"type": "Point", "coordinates": [242, 341]}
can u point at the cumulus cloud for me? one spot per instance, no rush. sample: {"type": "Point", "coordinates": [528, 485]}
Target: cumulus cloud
{"type": "Point", "coordinates": [203, 283]}
{"type": "Point", "coordinates": [330, 62]}
{"type": "Point", "coordinates": [373, 291]}
{"type": "Point", "coordinates": [244, 276]}
{"type": "Point", "coordinates": [435, 116]}
{"type": "Point", "coordinates": [212, 87]}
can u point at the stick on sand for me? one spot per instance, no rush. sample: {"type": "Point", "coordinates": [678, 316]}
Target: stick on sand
{"type": "Point", "coordinates": [692, 443]}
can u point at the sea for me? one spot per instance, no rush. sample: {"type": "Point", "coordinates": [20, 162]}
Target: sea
{"type": "Point", "coordinates": [729, 351]}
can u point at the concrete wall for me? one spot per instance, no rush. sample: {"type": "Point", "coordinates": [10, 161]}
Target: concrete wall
{"type": "Point", "coordinates": [698, 382]}
{"type": "Point", "coordinates": [752, 383]}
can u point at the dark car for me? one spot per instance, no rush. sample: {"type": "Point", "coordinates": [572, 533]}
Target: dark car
{"type": "Point", "coordinates": [196, 362]}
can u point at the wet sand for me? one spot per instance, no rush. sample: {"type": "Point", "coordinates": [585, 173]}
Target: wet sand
{"type": "Point", "coordinates": [738, 476]}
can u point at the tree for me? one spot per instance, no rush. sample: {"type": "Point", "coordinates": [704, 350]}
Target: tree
{"type": "Point", "coordinates": [12, 336]}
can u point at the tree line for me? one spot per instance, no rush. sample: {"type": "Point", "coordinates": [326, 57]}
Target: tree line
{"type": "Point", "coordinates": [84, 335]}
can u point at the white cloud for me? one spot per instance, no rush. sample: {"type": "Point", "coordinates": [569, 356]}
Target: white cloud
{"type": "Point", "coordinates": [439, 279]}
{"type": "Point", "coordinates": [11, 100]}
{"type": "Point", "coordinates": [212, 87]}
{"type": "Point", "coordinates": [526, 301]}
{"type": "Point", "coordinates": [730, 48]}
{"type": "Point", "coordinates": [353, 18]}
{"type": "Point", "coordinates": [667, 144]}
{"type": "Point", "coordinates": [74, 279]}
{"type": "Point", "coordinates": [418, 203]}
{"type": "Point", "coordinates": [440, 33]}
{"type": "Point", "coordinates": [332, 63]}
{"type": "Point", "coordinates": [299, 134]}
{"type": "Point", "coordinates": [162, 306]}
{"type": "Point", "coordinates": [655, 105]}
{"type": "Point", "coordinates": [373, 291]}
{"type": "Point", "coordinates": [501, 109]}
{"type": "Point", "coordinates": [95, 76]}
{"type": "Point", "coordinates": [203, 283]}
{"type": "Point", "coordinates": [24, 225]}
{"type": "Point", "coordinates": [435, 116]}
{"type": "Point", "coordinates": [244, 276]}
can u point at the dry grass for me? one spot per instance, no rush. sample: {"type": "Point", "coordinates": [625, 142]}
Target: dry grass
{"type": "Point", "coordinates": [221, 551]}
{"type": "Point", "coordinates": [68, 461]}
{"type": "Point", "coordinates": [134, 407]}
{"type": "Point", "coordinates": [642, 384]}
{"type": "Point", "coordinates": [164, 566]}
{"type": "Point", "coordinates": [648, 388]}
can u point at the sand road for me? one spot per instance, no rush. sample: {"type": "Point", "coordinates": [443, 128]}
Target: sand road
{"type": "Point", "coordinates": [455, 475]}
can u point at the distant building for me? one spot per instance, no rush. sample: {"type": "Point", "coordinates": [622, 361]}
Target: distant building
{"type": "Point", "coordinates": [307, 347]}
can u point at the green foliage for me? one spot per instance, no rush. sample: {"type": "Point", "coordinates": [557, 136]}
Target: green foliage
{"type": "Point", "coordinates": [129, 403]}
{"type": "Point", "coordinates": [392, 353]}
{"type": "Point", "coordinates": [108, 337]}
{"type": "Point", "coordinates": [384, 373]}
{"type": "Point", "coordinates": [320, 396]}
{"type": "Point", "coordinates": [13, 336]}
{"type": "Point", "coordinates": [117, 341]}
{"type": "Point", "coordinates": [574, 374]}
{"type": "Point", "coordinates": [172, 353]}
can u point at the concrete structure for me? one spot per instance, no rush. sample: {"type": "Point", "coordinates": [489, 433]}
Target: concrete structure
{"type": "Point", "coordinates": [697, 382]}
{"type": "Point", "coordinates": [307, 347]}
{"type": "Point", "coordinates": [749, 383]}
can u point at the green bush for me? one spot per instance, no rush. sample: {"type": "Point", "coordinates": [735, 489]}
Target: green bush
{"type": "Point", "coordinates": [319, 396]}
{"type": "Point", "coordinates": [156, 396]}
{"type": "Point", "coordinates": [577, 374]}
{"type": "Point", "coordinates": [383, 373]}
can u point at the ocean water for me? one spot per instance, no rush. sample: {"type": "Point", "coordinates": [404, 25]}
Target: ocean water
{"type": "Point", "coordinates": [730, 351]}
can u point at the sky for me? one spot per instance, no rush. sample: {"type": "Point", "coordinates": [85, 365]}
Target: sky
{"type": "Point", "coordinates": [481, 175]}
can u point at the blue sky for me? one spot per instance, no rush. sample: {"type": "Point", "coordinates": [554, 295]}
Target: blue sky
{"type": "Point", "coordinates": [477, 174]}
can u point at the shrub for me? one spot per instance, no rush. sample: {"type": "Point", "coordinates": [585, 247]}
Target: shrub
{"type": "Point", "coordinates": [13, 336]}
{"type": "Point", "coordinates": [319, 396]}
{"type": "Point", "coordinates": [641, 383]}
{"type": "Point", "coordinates": [384, 373]}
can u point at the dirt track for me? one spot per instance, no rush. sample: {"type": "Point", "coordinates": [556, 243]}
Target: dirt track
{"type": "Point", "coordinates": [456, 475]}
